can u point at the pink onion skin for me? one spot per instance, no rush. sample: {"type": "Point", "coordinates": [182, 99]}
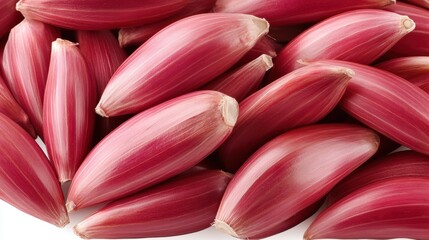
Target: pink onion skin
{"type": "Point", "coordinates": [386, 145]}
{"type": "Point", "coordinates": [103, 56]}
{"type": "Point", "coordinates": [394, 208]}
{"type": "Point", "coordinates": [2, 45]}
{"type": "Point", "coordinates": [265, 45]}
{"type": "Point", "coordinates": [68, 114]}
{"type": "Point", "coordinates": [242, 82]}
{"type": "Point", "coordinates": [387, 103]}
{"type": "Point", "coordinates": [8, 105]}
{"type": "Point", "coordinates": [158, 143]}
{"type": "Point", "coordinates": [292, 221]}
{"type": "Point", "coordinates": [98, 14]}
{"type": "Point", "coordinates": [417, 42]}
{"type": "Point", "coordinates": [425, 86]}
{"type": "Point", "coordinates": [184, 204]}
{"type": "Point", "coordinates": [27, 180]}
{"type": "Point", "coordinates": [10, 108]}
{"type": "Point", "coordinates": [399, 164]}
{"type": "Point", "coordinates": [365, 36]}
{"type": "Point", "coordinates": [171, 63]}
{"type": "Point", "coordinates": [267, 113]}
{"type": "Point", "coordinates": [414, 69]}
{"type": "Point", "coordinates": [140, 34]}
{"type": "Point", "coordinates": [289, 174]}
{"type": "Point", "coordinates": [26, 74]}
{"type": "Point", "coordinates": [281, 13]}
{"type": "Point", "coordinates": [9, 17]}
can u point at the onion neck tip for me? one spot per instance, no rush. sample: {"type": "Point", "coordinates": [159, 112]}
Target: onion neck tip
{"type": "Point", "coordinates": [408, 24]}
{"type": "Point", "coordinates": [78, 232]}
{"type": "Point", "coordinates": [18, 6]}
{"type": "Point", "coordinates": [63, 221]}
{"type": "Point", "coordinates": [100, 111]}
{"type": "Point", "coordinates": [307, 236]}
{"type": "Point", "coordinates": [64, 180]}
{"type": "Point", "coordinates": [390, 2]}
{"type": "Point", "coordinates": [262, 26]}
{"type": "Point", "coordinates": [229, 175]}
{"type": "Point", "coordinates": [268, 61]}
{"type": "Point", "coordinates": [224, 227]}
{"type": "Point", "coordinates": [121, 39]}
{"type": "Point", "coordinates": [70, 206]}
{"type": "Point", "coordinates": [229, 110]}
{"type": "Point", "coordinates": [348, 72]}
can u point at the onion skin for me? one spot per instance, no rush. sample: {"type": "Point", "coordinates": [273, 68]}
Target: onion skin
{"type": "Point", "coordinates": [157, 144]}
{"type": "Point", "coordinates": [171, 64]}
{"type": "Point", "coordinates": [267, 113]}
{"type": "Point", "coordinates": [140, 34]}
{"type": "Point", "coordinates": [374, 31]}
{"type": "Point", "coordinates": [281, 13]}
{"type": "Point", "coordinates": [409, 68]}
{"type": "Point", "coordinates": [184, 204]}
{"type": "Point", "coordinates": [387, 103]}
{"type": "Point", "coordinates": [289, 174]}
{"type": "Point", "coordinates": [414, 69]}
{"type": "Point", "coordinates": [68, 115]}
{"type": "Point", "coordinates": [26, 74]}
{"type": "Point", "coordinates": [242, 82]}
{"type": "Point", "coordinates": [103, 56]}
{"type": "Point", "coordinates": [27, 180]}
{"type": "Point", "coordinates": [98, 14]}
{"type": "Point", "coordinates": [296, 219]}
{"type": "Point", "coordinates": [417, 42]}
{"type": "Point", "coordinates": [394, 208]}
{"type": "Point", "coordinates": [10, 108]}
{"type": "Point", "coordinates": [399, 164]}
{"type": "Point", "coordinates": [386, 146]}
{"type": "Point", "coordinates": [265, 45]}
{"type": "Point", "coordinates": [9, 16]}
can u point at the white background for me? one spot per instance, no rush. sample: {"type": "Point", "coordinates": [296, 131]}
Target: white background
{"type": "Point", "coordinates": [15, 225]}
